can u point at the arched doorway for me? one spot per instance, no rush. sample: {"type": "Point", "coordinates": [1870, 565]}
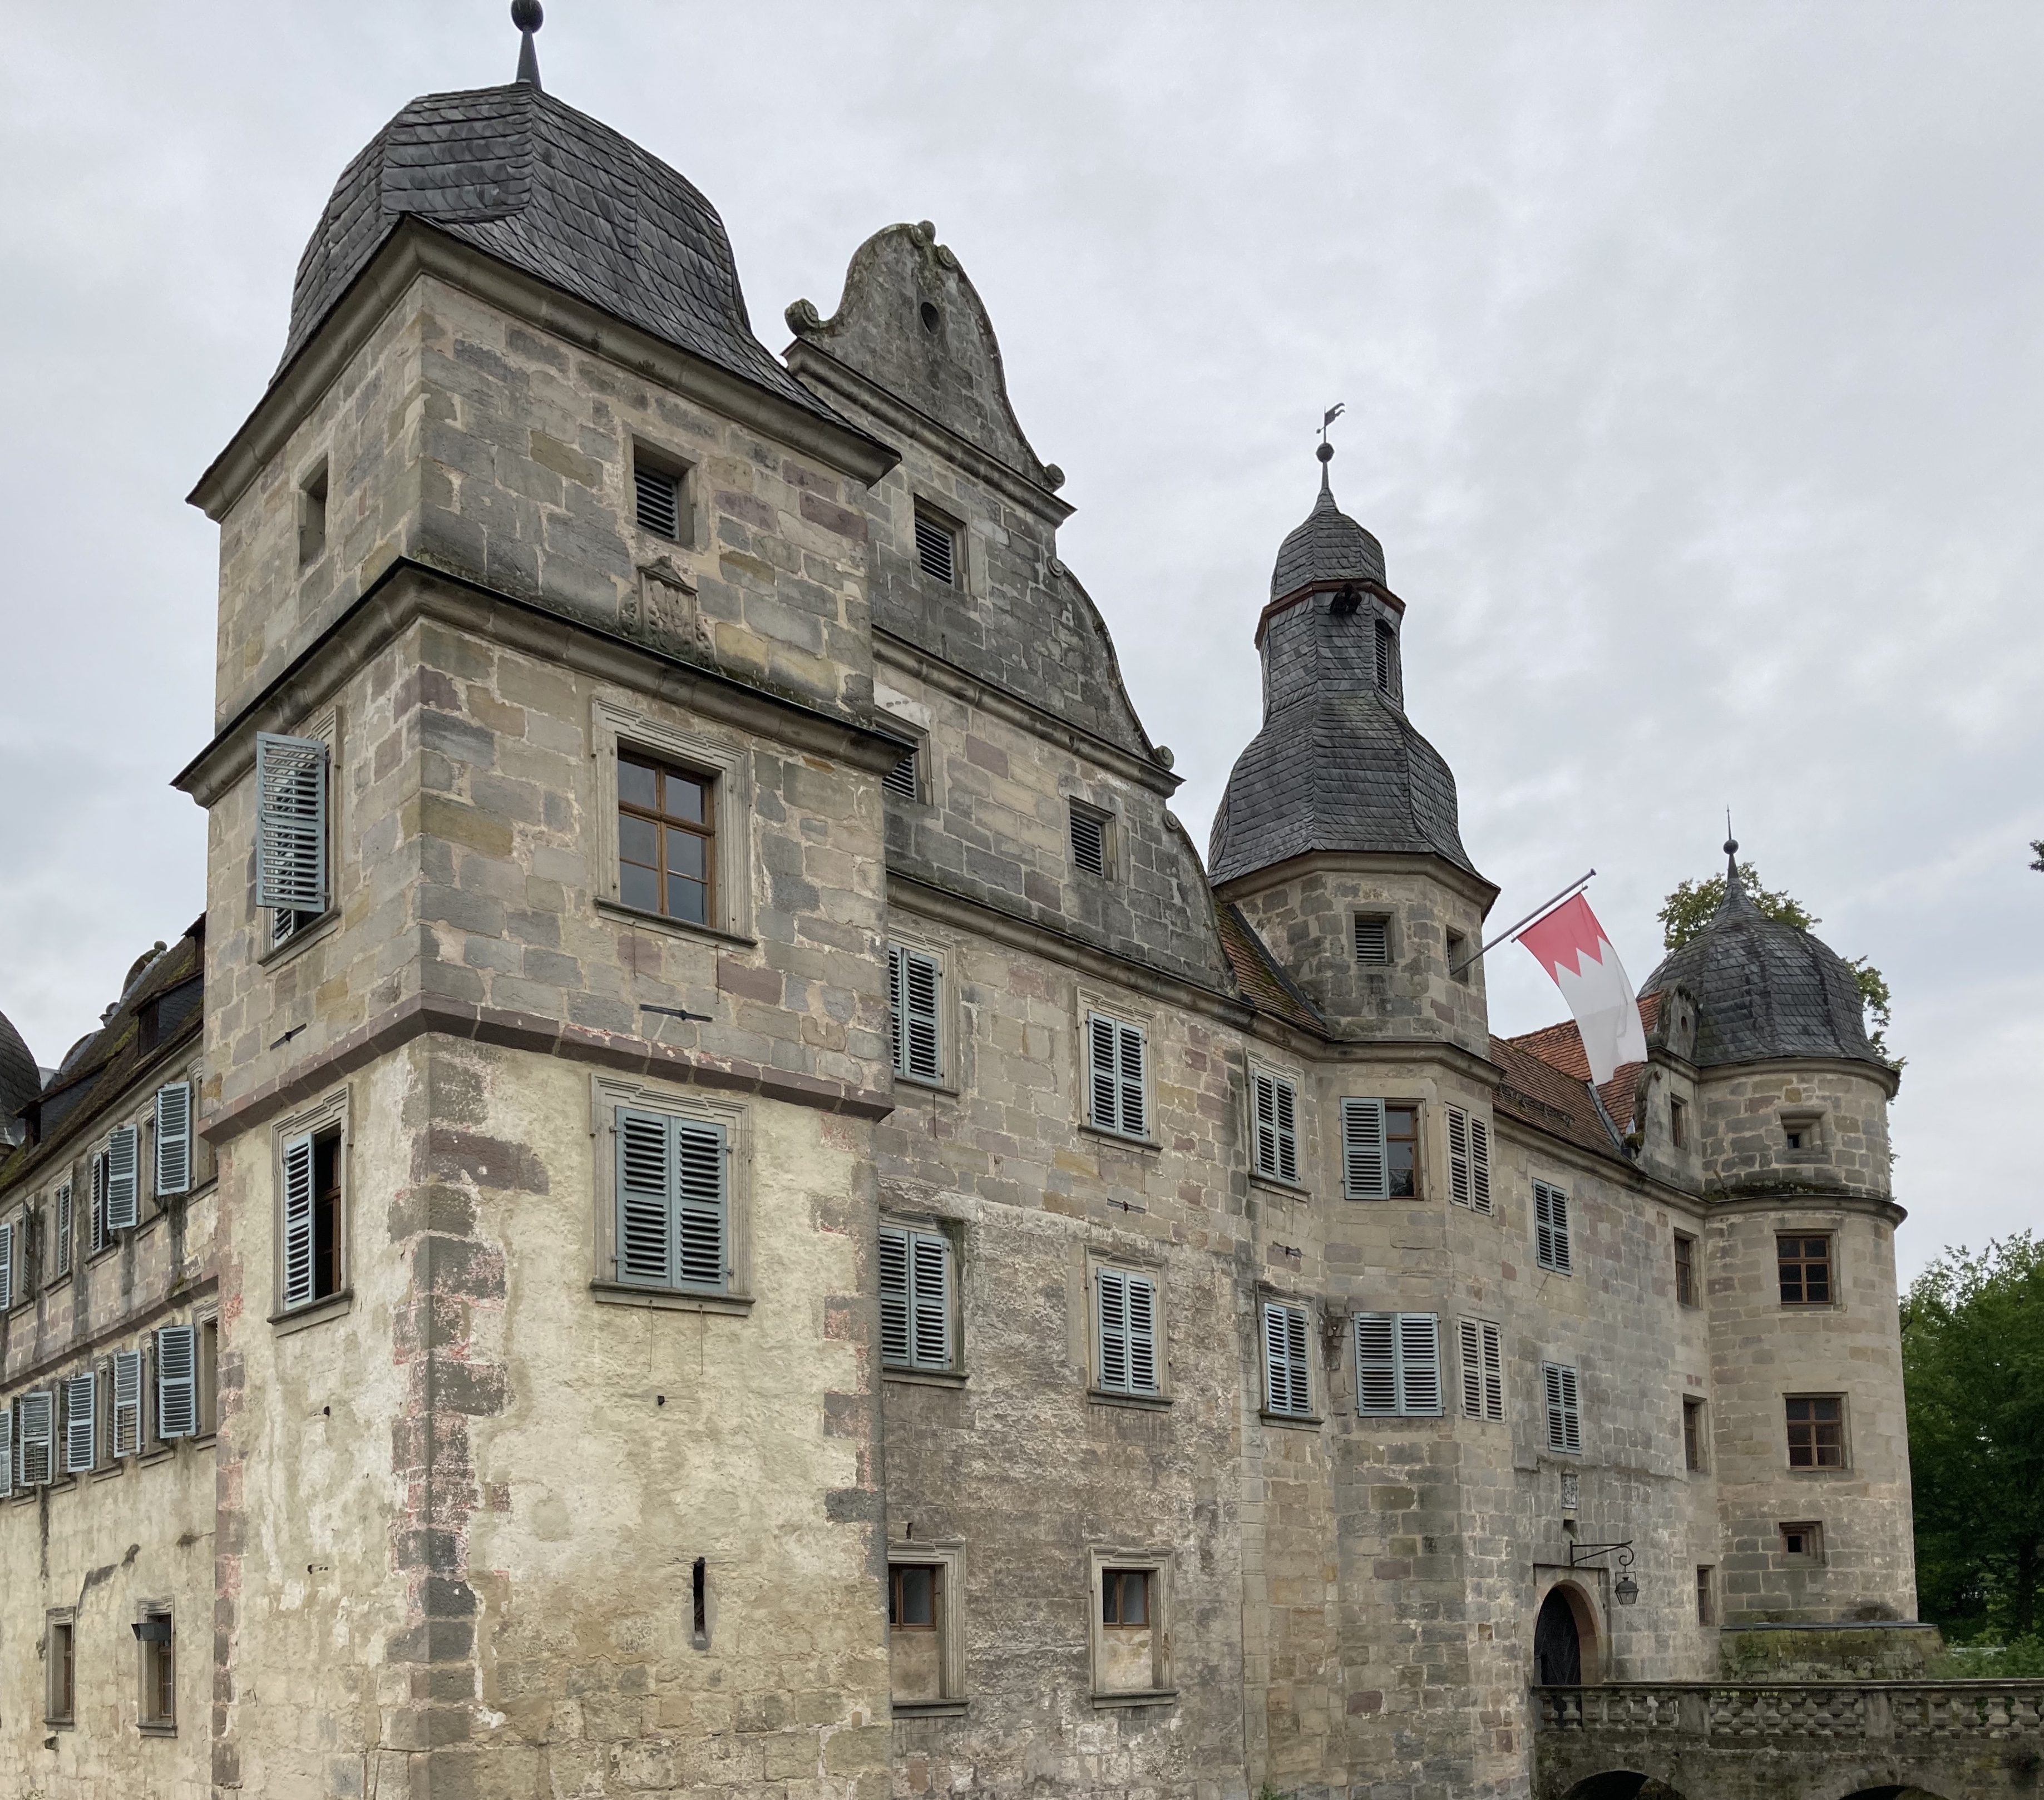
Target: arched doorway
{"type": "Point", "coordinates": [1558, 1642]}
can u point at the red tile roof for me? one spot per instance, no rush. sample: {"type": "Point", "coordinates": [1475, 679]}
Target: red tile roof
{"type": "Point", "coordinates": [1263, 984]}
{"type": "Point", "coordinates": [1561, 1048]}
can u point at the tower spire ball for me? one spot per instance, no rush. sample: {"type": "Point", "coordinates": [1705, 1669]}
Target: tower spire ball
{"type": "Point", "coordinates": [1326, 452]}
{"type": "Point", "coordinates": [527, 16]}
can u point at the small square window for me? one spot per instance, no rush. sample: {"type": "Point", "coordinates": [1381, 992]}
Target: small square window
{"type": "Point", "coordinates": [667, 840]}
{"type": "Point", "coordinates": [1125, 1595]}
{"type": "Point", "coordinates": [657, 499]}
{"type": "Point", "coordinates": [1804, 1264]}
{"type": "Point", "coordinates": [1802, 1541]}
{"type": "Point", "coordinates": [311, 517]}
{"type": "Point", "coordinates": [1685, 1269]}
{"type": "Point", "coordinates": [1816, 1432]}
{"type": "Point", "coordinates": [1695, 1442]}
{"type": "Point", "coordinates": [1373, 940]}
{"type": "Point", "coordinates": [936, 547]}
{"type": "Point", "coordinates": [1090, 839]}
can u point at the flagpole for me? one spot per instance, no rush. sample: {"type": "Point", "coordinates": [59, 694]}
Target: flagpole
{"type": "Point", "coordinates": [1539, 912]}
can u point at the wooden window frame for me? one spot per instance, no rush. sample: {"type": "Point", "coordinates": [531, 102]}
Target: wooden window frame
{"type": "Point", "coordinates": [156, 1672]}
{"type": "Point", "coordinates": [1803, 1264]}
{"type": "Point", "coordinates": [1686, 1268]}
{"type": "Point", "coordinates": [1816, 1443]}
{"type": "Point", "coordinates": [1158, 1565]}
{"type": "Point", "coordinates": [1707, 1595]}
{"type": "Point", "coordinates": [1678, 1122]}
{"type": "Point", "coordinates": [948, 1558]}
{"type": "Point", "coordinates": [1696, 1435]}
{"type": "Point", "coordinates": [702, 830]}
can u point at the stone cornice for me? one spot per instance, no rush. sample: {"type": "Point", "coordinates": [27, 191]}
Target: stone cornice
{"type": "Point", "coordinates": [47, 1152]}
{"type": "Point", "coordinates": [1284, 603]}
{"type": "Point", "coordinates": [389, 605]}
{"type": "Point", "coordinates": [1473, 889]}
{"type": "Point", "coordinates": [1808, 1199]}
{"type": "Point", "coordinates": [975, 690]}
{"type": "Point", "coordinates": [415, 250]}
{"type": "Point", "coordinates": [426, 1015]}
{"type": "Point", "coordinates": [1886, 1075]}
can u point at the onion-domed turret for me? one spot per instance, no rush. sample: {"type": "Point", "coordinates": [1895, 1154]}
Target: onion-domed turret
{"type": "Point", "coordinates": [1764, 989]}
{"type": "Point", "coordinates": [20, 1079]}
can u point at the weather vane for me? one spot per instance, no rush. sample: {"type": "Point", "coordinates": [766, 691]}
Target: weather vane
{"type": "Point", "coordinates": [1332, 413]}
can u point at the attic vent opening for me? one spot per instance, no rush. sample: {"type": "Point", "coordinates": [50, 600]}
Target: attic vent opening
{"type": "Point", "coordinates": [658, 494]}
{"type": "Point", "coordinates": [1387, 652]}
{"type": "Point", "coordinates": [931, 317]}
{"type": "Point", "coordinates": [936, 548]}
{"type": "Point", "coordinates": [900, 779]}
{"type": "Point", "coordinates": [1088, 840]}
{"type": "Point", "coordinates": [1373, 941]}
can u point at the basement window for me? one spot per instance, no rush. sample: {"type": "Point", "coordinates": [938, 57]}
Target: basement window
{"type": "Point", "coordinates": [656, 493]}
{"type": "Point", "coordinates": [936, 547]}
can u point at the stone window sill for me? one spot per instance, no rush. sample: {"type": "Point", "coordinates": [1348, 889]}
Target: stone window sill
{"type": "Point", "coordinates": [1820, 1474]}
{"type": "Point", "coordinates": [1277, 1185]}
{"type": "Point", "coordinates": [1294, 1420]}
{"type": "Point", "coordinates": [668, 1299]}
{"type": "Point", "coordinates": [672, 928]}
{"type": "Point", "coordinates": [314, 1312]}
{"type": "Point", "coordinates": [1138, 1697]}
{"type": "Point", "coordinates": [1122, 1138]}
{"type": "Point", "coordinates": [1142, 1402]}
{"type": "Point", "coordinates": [928, 1709]}
{"type": "Point", "coordinates": [149, 1730]}
{"type": "Point", "coordinates": [924, 1378]}
{"type": "Point", "coordinates": [916, 1084]}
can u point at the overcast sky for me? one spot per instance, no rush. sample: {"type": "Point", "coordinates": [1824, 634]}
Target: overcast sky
{"type": "Point", "coordinates": [1691, 357]}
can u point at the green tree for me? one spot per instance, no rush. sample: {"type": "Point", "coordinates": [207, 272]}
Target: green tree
{"type": "Point", "coordinates": [1973, 1359]}
{"type": "Point", "coordinates": [2037, 849]}
{"type": "Point", "coordinates": [1692, 905]}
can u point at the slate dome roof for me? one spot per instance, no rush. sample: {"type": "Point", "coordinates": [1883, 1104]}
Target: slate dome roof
{"type": "Point", "coordinates": [1329, 547]}
{"type": "Point", "coordinates": [549, 190]}
{"type": "Point", "coordinates": [1765, 990]}
{"type": "Point", "coordinates": [20, 1080]}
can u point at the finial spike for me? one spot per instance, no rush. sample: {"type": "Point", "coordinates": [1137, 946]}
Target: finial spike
{"type": "Point", "coordinates": [527, 16]}
{"type": "Point", "coordinates": [1326, 452]}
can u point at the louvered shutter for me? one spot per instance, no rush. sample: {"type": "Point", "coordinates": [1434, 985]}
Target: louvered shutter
{"type": "Point", "coordinates": [1113, 1288]}
{"type": "Point", "coordinates": [1103, 1092]}
{"type": "Point", "coordinates": [1550, 1222]}
{"type": "Point", "coordinates": [7, 1451]}
{"type": "Point", "coordinates": [930, 1257]}
{"type": "Point", "coordinates": [1277, 1128]}
{"type": "Point", "coordinates": [918, 1053]}
{"type": "Point", "coordinates": [1419, 1364]}
{"type": "Point", "coordinates": [99, 1202]}
{"type": "Point", "coordinates": [123, 1179]}
{"type": "Point", "coordinates": [63, 1229]}
{"type": "Point", "coordinates": [1376, 1363]}
{"type": "Point", "coordinates": [1471, 1334]}
{"type": "Point", "coordinates": [700, 1204]}
{"type": "Point", "coordinates": [1142, 1335]}
{"type": "Point", "coordinates": [298, 1197]}
{"type": "Point", "coordinates": [1288, 1132]}
{"type": "Point", "coordinates": [36, 1419]}
{"type": "Point", "coordinates": [177, 1382]}
{"type": "Point", "coordinates": [174, 1157]}
{"type": "Point", "coordinates": [1564, 1422]}
{"type": "Point", "coordinates": [1290, 1379]}
{"type": "Point", "coordinates": [1493, 1373]}
{"type": "Point", "coordinates": [1479, 1133]}
{"type": "Point", "coordinates": [1265, 1093]}
{"type": "Point", "coordinates": [896, 1345]}
{"type": "Point", "coordinates": [1365, 1173]}
{"type": "Point", "coordinates": [127, 1402]}
{"type": "Point", "coordinates": [81, 1394]}
{"type": "Point", "coordinates": [894, 956]}
{"type": "Point", "coordinates": [1572, 1429]}
{"type": "Point", "coordinates": [7, 1267]}
{"type": "Point", "coordinates": [1135, 1111]}
{"type": "Point", "coordinates": [291, 822]}
{"type": "Point", "coordinates": [1458, 1157]}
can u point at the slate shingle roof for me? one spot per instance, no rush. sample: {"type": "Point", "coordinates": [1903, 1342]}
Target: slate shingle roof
{"type": "Point", "coordinates": [1765, 990]}
{"type": "Point", "coordinates": [1329, 547]}
{"type": "Point", "coordinates": [20, 1080]}
{"type": "Point", "coordinates": [526, 178]}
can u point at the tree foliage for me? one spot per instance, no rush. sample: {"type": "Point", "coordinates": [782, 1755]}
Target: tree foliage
{"type": "Point", "coordinates": [1972, 1357]}
{"type": "Point", "coordinates": [1693, 905]}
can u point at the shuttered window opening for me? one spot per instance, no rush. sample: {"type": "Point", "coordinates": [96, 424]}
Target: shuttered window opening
{"type": "Point", "coordinates": [127, 1402]}
{"type": "Point", "coordinates": [7, 1451]}
{"type": "Point", "coordinates": [672, 1203]}
{"type": "Point", "coordinates": [1551, 1229]}
{"type": "Point", "coordinates": [1365, 1170]}
{"type": "Point", "coordinates": [173, 1139]}
{"type": "Point", "coordinates": [658, 496]}
{"type": "Point", "coordinates": [1398, 1365]}
{"type": "Point", "coordinates": [1565, 1428]}
{"type": "Point", "coordinates": [902, 781]}
{"type": "Point", "coordinates": [7, 1234]}
{"type": "Point", "coordinates": [936, 550]}
{"type": "Point", "coordinates": [35, 1419]}
{"type": "Point", "coordinates": [81, 1398]}
{"type": "Point", "coordinates": [915, 990]}
{"type": "Point", "coordinates": [1483, 1370]}
{"type": "Point", "coordinates": [1276, 1105]}
{"type": "Point", "coordinates": [1089, 842]}
{"type": "Point", "coordinates": [124, 1181]}
{"type": "Point", "coordinates": [290, 824]}
{"type": "Point", "coordinates": [1116, 1100]}
{"type": "Point", "coordinates": [915, 1299]}
{"type": "Point", "coordinates": [101, 1236]}
{"type": "Point", "coordinates": [1373, 941]}
{"type": "Point", "coordinates": [61, 1264]}
{"type": "Point", "coordinates": [177, 1382]}
{"type": "Point", "coordinates": [312, 1217]}
{"type": "Point", "coordinates": [1126, 1320]}
{"type": "Point", "coordinates": [1288, 1381]}
{"type": "Point", "coordinates": [1469, 1161]}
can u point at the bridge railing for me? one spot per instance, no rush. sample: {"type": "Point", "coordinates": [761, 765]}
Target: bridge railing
{"type": "Point", "coordinates": [1751, 1711]}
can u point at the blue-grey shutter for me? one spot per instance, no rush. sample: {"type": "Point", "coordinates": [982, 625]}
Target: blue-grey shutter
{"type": "Point", "coordinates": [1458, 1158]}
{"type": "Point", "coordinates": [173, 1139]}
{"type": "Point", "coordinates": [917, 984]}
{"type": "Point", "coordinates": [177, 1382]}
{"type": "Point", "coordinates": [1277, 1128]}
{"type": "Point", "coordinates": [291, 822]}
{"type": "Point", "coordinates": [38, 1421]}
{"type": "Point", "coordinates": [63, 1229]}
{"type": "Point", "coordinates": [897, 1344]}
{"type": "Point", "coordinates": [700, 1257]}
{"type": "Point", "coordinates": [1135, 1108]}
{"type": "Point", "coordinates": [127, 1402]}
{"type": "Point", "coordinates": [124, 1181]}
{"type": "Point", "coordinates": [1289, 1381]}
{"type": "Point", "coordinates": [98, 1224]}
{"type": "Point", "coordinates": [1376, 1363]}
{"type": "Point", "coordinates": [1472, 1360]}
{"type": "Point", "coordinates": [1494, 1371]}
{"type": "Point", "coordinates": [1365, 1171]}
{"type": "Point", "coordinates": [1564, 1421]}
{"type": "Point", "coordinates": [81, 1394]}
{"type": "Point", "coordinates": [1102, 1108]}
{"type": "Point", "coordinates": [930, 1258]}
{"type": "Point", "coordinates": [1551, 1227]}
{"type": "Point", "coordinates": [645, 1194]}
{"type": "Point", "coordinates": [7, 1451]}
{"type": "Point", "coordinates": [894, 956]}
{"type": "Point", "coordinates": [1419, 1364]}
{"type": "Point", "coordinates": [298, 1198]}
{"type": "Point", "coordinates": [1479, 1164]}
{"type": "Point", "coordinates": [1141, 1294]}
{"type": "Point", "coordinates": [6, 1267]}
{"type": "Point", "coordinates": [1113, 1287]}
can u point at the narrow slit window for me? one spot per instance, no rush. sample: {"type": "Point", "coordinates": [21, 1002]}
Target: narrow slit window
{"type": "Point", "coordinates": [936, 548]}
{"type": "Point", "coordinates": [60, 1672]}
{"type": "Point", "coordinates": [1373, 940]}
{"type": "Point", "coordinates": [1678, 1124]}
{"type": "Point", "coordinates": [1685, 1269]}
{"type": "Point", "coordinates": [311, 517]}
{"type": "Point", "coordinates": [1707, 1611]}
{"type": "Point", "coordinates": [700, 1599]}
{"type": "Point", "coordinates": [158, 1643]}
{"type": "Point", "coordinates": [667, 840]}
{"type": "Point", "coordinates": [1387, 659]}
{"type": "Point", "coordinates": [1694, 1442]}
{"type": "Point", "coordinates": [1459, 960]}
{"type": "Point", "coordinates": [657, 500]}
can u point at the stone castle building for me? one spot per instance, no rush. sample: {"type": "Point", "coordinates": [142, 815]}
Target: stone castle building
{"type": "Point", "coordinates": [719, 1201]}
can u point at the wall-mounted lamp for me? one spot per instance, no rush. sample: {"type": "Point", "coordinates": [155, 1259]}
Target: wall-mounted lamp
{"type": "Point", "coordinates": [1625, 1590]}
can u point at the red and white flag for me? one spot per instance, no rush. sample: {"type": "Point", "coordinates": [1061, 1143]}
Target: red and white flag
{"type": "Point", "coordinates": [1572, 947]}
